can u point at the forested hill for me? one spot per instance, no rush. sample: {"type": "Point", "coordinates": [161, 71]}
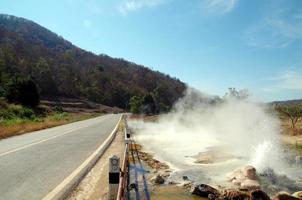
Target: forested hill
{"type": "Point", "coordinates": [59, 68]}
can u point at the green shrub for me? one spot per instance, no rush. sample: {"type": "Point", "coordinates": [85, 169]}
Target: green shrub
{"type": "Point", "coordinates": [22, 91]}
{"type": "Point", "coordinates": [298, 145]}
{"type": "Point", "coordinates": [136, 104]}
{"type": "Point", "coordinates": [59, 116]}
{"type": "Point", "coordinates": [17, 111]}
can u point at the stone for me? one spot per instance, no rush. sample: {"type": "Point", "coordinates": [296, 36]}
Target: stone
{"type": "Point", "coordinates": [259, 195]}
{"type": "Point", "coordinates": [236, 175]}
{"type": "Point", "coordinates": [236, 182]}
{"type": "Point", "coordinates": [249, 172]}
{"type": "Point", "coordinates": [270, 175]}
{"type": "Point", "coordinates": [232, 194]}
{"type": "Point", "coordinates": [250, 184]}
{"type": "Point", "coordinates": [159, 180]}
{"type": "Point", "coordinates": [285, 196]}
{"type": "Point", "coordinates": [204, 190]}
{"type": "Point", "coordinates": [187, 184]}
{"type": "Point", "coordinates": [298, 194]}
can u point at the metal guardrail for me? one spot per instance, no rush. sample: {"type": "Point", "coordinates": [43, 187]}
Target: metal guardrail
{"type": "Point", "coordinates": [124, 175]}
{"type": "Point", "coordinates": [122, 191]}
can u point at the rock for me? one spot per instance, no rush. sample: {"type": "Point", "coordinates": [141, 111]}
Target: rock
{"type": "Point", "coordinates": [250, 184]}
{"type": "Point", "coordinates": [249, 172]}
{"type": "Point", "coordinates": [159, 180]}
{"type": "Point", "coordinates": [285, 196]}
{"type": "Point", "coordinates": [232, 194]}
{"type": "Point", "coordinates": [185, 178]}
{"type": "Point", "coordinates": [171, 183]}
{"type": "Point", "coordinates": [259, 195]}
{"type": "Point", "coordinates": [165, 174]}
{"type": "Point", "coordinates": [236, 182]}
{"type": "Point", "coordinates": [270, 175]}
{"type": "Point", "coordinates": [298, 194]}
{"type": "Point", "coordinates": [245, 178]}
{"type": "Point", "coordinates": [204, 190]}
{"type": "Point", "coordinates": [236, 176]}
{"type": "Point", "coordinates": [187, 184]}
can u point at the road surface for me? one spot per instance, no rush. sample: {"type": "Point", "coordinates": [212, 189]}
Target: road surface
{"type": "Point", "coordinates": [33, 164]}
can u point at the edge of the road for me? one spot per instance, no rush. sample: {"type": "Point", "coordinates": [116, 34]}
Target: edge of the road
{"type": "Point", "coordinates": [62, 191]}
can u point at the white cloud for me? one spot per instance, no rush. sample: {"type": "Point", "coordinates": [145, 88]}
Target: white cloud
{"type": "Point", "coordinates": [87, 23]}
{"type": "Point", "coordinates": [288, 80]}
{"type": "Point", "coordinates": [133, 5]}
{"type": "Point", "coordinates": [278, 29]}
{"type": "Point", "coordinates": [220, 6]}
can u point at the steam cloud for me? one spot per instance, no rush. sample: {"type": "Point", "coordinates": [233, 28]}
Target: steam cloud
{"type": "Point", "coordinates": [249, 131]}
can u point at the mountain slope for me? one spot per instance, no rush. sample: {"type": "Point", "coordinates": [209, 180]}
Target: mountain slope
{"type": "Point", "coordinates": [61, 69]}
{"type": "Point", "coordinates": [288, 102]}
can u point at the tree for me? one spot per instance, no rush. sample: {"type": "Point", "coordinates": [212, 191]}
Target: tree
{"type": "Point", "coordinates": [237, 94]}
{"type": "Point", "coordinates": [136, 104]}
{"type": "Point", "coordinates": [292, 111]}
{"type": "Point", "coordinates": [22, 91]}
{"type": "Point", "coordinates": [149, 104]}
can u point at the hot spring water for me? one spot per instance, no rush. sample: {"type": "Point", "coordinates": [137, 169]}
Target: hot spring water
{"type": "Point", "coordinates": [230, 135]}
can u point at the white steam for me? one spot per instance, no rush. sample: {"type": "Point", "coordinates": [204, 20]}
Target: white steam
{"type": "Point", "coordinates": [243, 129]}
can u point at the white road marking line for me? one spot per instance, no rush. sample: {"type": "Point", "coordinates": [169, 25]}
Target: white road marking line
{"type": "Point", "coordinates": [41, 141]}
{"type": "Point", "coordinates": [67, 180]}
{"type": "Point", "coordinates": [34, 143]}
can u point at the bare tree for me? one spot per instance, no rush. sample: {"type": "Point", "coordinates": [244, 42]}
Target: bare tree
{"type": "Point", "coordinates": [238, 94]}
{"type": "Point", "coordinates": [293, 112]}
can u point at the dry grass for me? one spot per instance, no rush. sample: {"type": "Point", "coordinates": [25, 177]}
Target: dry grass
{"type": "Point", "coordinates": [287, 127]}
{"type": "Point", "coordinates": [9, 130]}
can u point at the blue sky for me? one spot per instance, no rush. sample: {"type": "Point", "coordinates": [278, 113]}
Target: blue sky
{"type": "Point", "coordinates": [209, 44]}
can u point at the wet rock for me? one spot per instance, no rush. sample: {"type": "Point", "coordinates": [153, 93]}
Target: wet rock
{"type": "Point", "coordinates": [232, 194]}
{"type": "Point", "coordinates": [165, 174]}
{"type": "Point", "coordinates": [250, 184]}
{"type": "Point", "coordinates": [185, 178]}
{"type": "Point", "coordinates": [244, 178]}
{"type": "Point", "coordinates": [171, 183]}
{"type": "Point", "coordinates": [249, 172]}
{"type": "Point", "coordinates": [236, 182]}
{"type": "Point", "coordinates": [158, 180]}
{"type": "Point", "coordinates": [259, 195]}
{"type": "Point", "coordinates": [285, 196]}
{"type": "Point", "coordinates": [270, 175]}
{"type": "Point", "coordinates": [204, 190]}
{"type": "Point", "coordinates": [298, 194]}
{"type": "Point", "coordinates": [187, 184]}
{"type": "Point", "coordinates": [236, 176]}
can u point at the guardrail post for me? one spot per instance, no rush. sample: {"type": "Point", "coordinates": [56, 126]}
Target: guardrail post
{"type": "Point", "coordinates": [127, 136]}
{"type": "Point", "coordinates": [114, 177]}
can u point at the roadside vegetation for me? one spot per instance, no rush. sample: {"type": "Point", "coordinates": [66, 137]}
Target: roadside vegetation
{"type": "Point", "coordinates": [18, 119]}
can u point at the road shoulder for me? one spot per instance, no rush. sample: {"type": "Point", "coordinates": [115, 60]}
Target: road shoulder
{"type": "Point", "coordinates": [94, 186]}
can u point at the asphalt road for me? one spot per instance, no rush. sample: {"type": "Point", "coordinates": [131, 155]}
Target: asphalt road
{"type": "Point", "coordinates": [33, 164]}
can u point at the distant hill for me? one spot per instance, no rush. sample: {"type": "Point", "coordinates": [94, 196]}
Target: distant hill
{"type": "Point", "coordinates": [288, 102]}
{"type": "Point", "coordinates": [59, 68]}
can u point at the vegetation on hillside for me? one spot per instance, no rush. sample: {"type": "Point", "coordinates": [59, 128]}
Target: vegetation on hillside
{"type": "Point", "coordinates": [32, 56]}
